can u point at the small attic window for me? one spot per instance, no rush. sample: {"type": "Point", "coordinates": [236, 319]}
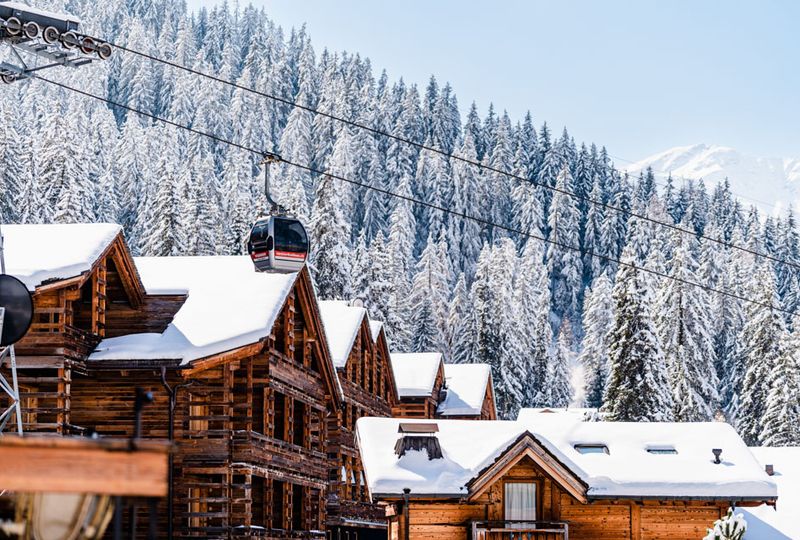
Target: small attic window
{"type": "Point", "coordinates": [662, 450]}
{"type": "Point", "coordinates": [591, 449]}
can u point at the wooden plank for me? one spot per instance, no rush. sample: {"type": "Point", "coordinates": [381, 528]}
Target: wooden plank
{"type": "Point", "coordinates": [80, 465]}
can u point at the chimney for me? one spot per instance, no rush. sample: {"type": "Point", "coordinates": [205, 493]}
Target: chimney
{"type": "Point", "coordinates": [717, 453]}
{"type": "Point", "coordinates": [420, 436]}
{"type": "Point", "coordinates": [770, 470]}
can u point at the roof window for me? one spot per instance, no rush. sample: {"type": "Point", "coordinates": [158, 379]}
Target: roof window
{"type": "Point", "coordinates": [662, 450]}
{"type": "Point", "coordinates": [591, 448]}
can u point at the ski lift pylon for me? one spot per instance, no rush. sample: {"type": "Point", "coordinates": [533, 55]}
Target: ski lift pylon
{"type": "Point", "coordinates": [278, 242]}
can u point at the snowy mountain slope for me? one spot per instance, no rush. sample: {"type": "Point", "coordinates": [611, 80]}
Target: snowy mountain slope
{"type": "Point", "coordinates": [769, 183]}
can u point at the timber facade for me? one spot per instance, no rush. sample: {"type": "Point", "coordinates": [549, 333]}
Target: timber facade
{"type": "Point", "coordinates": [561, 509]}
{"type": "Point", "coordinates": [250, 425]}
{"type": "Point", "coordinates": [368, 389]}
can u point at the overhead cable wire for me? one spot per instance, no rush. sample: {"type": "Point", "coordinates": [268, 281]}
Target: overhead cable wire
{"type": "Point", "coordinates": [450, 155]}
{"type": "Point", "coordinates": [413, 200]}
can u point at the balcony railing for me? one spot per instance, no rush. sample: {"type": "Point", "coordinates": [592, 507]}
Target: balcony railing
{"type": "Point", "coordinates": [520, 530]}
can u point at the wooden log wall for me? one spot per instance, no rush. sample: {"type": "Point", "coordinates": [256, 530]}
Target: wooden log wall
{"type": "Point", "coordinates": [597, 520]}
{"type": "Point", "coordinates": [368, 391]}
{"type": "Point", "coordinates": [250, 424]}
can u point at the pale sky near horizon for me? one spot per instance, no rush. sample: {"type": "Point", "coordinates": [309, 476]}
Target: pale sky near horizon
{"type": "Point", "coordinates": [637, 76]}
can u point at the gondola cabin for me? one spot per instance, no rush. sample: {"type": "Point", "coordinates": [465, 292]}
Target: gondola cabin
{"type": "Point", "coordinates": [278, 244]}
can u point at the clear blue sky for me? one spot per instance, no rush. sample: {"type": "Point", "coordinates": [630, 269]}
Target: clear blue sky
{"type": "Point", "coordinates": [638, 76]}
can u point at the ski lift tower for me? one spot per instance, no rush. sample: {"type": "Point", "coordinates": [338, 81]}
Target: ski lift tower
{"type": "Point", "coordinates": [42, 39]}
{"type": "Point", "coordinates": [16, 315]}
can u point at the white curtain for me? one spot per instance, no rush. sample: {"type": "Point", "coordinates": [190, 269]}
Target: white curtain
{"type": "Point", "coordinates": [520, 501]}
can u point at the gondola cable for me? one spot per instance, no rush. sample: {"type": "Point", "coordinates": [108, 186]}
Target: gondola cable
{"type": "Point", "coordinates": [432, 206]}
{"type": "Point", "coordinates": [449, 155]}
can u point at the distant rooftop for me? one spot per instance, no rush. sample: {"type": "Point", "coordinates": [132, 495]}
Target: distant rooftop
{"type": "Point", "coordinates": [415, 373]}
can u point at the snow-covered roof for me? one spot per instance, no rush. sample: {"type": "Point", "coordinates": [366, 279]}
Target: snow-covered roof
{"type": "Point", "coordinates": [342, 322]}
{"type": "Point", "coordinates": [375, 329]}
{"type": "Point", "coordinates": [779, 522]}
{"type": "Point", "coordinates": [628, 470]}
{"type": "Point", "coordinates": [415, 373]}
{"type": "Point", "coordinates": [228, 305]}
{"type": "Point", "coordinates": [579, 413]}
{"type": "Point", "coordinates": [466, 389]}
{"type": "Point", "coordinates": [36, 254]}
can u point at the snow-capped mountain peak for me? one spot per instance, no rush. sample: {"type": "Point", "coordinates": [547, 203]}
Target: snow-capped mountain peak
{"type": "Point", "coordinates": [770, 183]}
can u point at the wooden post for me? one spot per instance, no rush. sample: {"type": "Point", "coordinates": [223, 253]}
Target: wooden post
{"type": "Point", "coordinates": [636, 522]}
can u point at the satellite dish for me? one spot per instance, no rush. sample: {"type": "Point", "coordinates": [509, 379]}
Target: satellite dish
{"type": "Point", "coordinates": [18, 304]}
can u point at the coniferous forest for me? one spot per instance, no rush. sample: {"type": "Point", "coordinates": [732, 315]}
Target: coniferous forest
{"type": "Point", "coordinates": [606, 312]}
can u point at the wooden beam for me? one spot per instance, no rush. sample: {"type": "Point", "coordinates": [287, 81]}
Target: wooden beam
{"type": "Point", "coordinates": [81, 465]}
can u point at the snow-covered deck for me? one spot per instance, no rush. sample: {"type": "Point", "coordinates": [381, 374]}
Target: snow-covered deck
{"type": "Point", "coordinates": [628, 470]}
{"type": "Point", "coordinates": [228, 305]}
{"type": "Point", "coordinates": [36, 254]}
{"type": "Point", "coordinates": [466, 389]}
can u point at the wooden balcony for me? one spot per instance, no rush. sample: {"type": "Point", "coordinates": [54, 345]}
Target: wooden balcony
{"type": "Point", "coordinates": [519, 530]}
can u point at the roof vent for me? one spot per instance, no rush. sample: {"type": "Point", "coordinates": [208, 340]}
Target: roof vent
{"type": "Point", "coordinates": [770, 470]}
{"type": "Point", "coordinates": [717, 453]}
{"type": "Point", "coordinates": [418, 437]}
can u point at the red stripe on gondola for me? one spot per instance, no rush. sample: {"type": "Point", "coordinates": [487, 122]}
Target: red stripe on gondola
{"type": "Point", "coordinates": [259, 256]}
{"type": "Point", "coordinates": [290, 255]}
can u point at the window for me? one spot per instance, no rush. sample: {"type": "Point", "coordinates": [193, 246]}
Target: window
{"type": "Point", "coordinates": [278, 489]}
{"type": "Point", "coordinates": [258, 501]}
{"type": "Point", "coordinates": [520, 501]}
{"type": "Point", "coordinates": [591, 448]}
{"type": "Point", "coordinates": [198, 413]}
{"type": "Point", "coordinates": [279, 428]}
{"type": "Point", "coordinates": [299, 423]}
{"type": "Point", "coordinates": [198, 507]}
{"type": "Point", "coordinates": [298, 519]}
{"type": "Point", "coordinates": [662, 450]}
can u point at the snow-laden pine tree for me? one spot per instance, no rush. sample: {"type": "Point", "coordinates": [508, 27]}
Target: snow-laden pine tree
{"type": "Point", "coordinates": [683, 322]}
{"type": "Point", "coordinates": [459, 324]}
{"type": "Point", "coordinates": [358, 287]}
{"type": "Point", "coordinates": [563, 253]}
{"type": "Point", "coordinates": [638, 387]}
{"type": "Point", "coordinates": [330, 224]}
{"type": "Point", "coordinates": [598, 317]}
{"type": "Point", "coordinates": [781, 422]}
{"type": "Point", "coordinates": [400, 249]}
{"type": "Point", "coordinates": [532, 296]}
{"type": "Point", "coordinates": [509, 362]}
{"type": "Point", "coordinates": [559, 373]}
{"type": "Point", "coordinates": [469, 198]}
{"type": "Point", "coordinates": [160, 236]}
{"type": "Point", "coordinates": [763, 344]}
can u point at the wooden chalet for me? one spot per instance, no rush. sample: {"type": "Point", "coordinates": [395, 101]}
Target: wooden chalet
{"type": "Point", "coordinates": [360, 355]}
{"type": "Point", "coordinates": [447, 479]}
{"type": "Point", "coordinates": [420, 379]}
{"type": "Point", "coordinates": [468, 393]}
{"type": "Point", "coordinates": [236, 361]}
{"type": "Point", "coordinates": [429, 388]}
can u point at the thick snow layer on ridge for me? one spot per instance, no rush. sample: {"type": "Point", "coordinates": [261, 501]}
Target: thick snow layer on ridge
{"type": "Point", "coordinates": [466, 388]}
{"type": "Point", "coordinates": [415, 373]}
{"type": "Point", "coordinates": [36, 254]}
{"type": "Point", "coordinates": [627, 471]}
{"type": "Point", "coordinates": [228, 305]}
{"type": "Point", "coordinates": [781, 522]}
{"type": "Point", "coordinates": [375, 329]}
{"type": "Point", "coordinates": [341, 322]}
